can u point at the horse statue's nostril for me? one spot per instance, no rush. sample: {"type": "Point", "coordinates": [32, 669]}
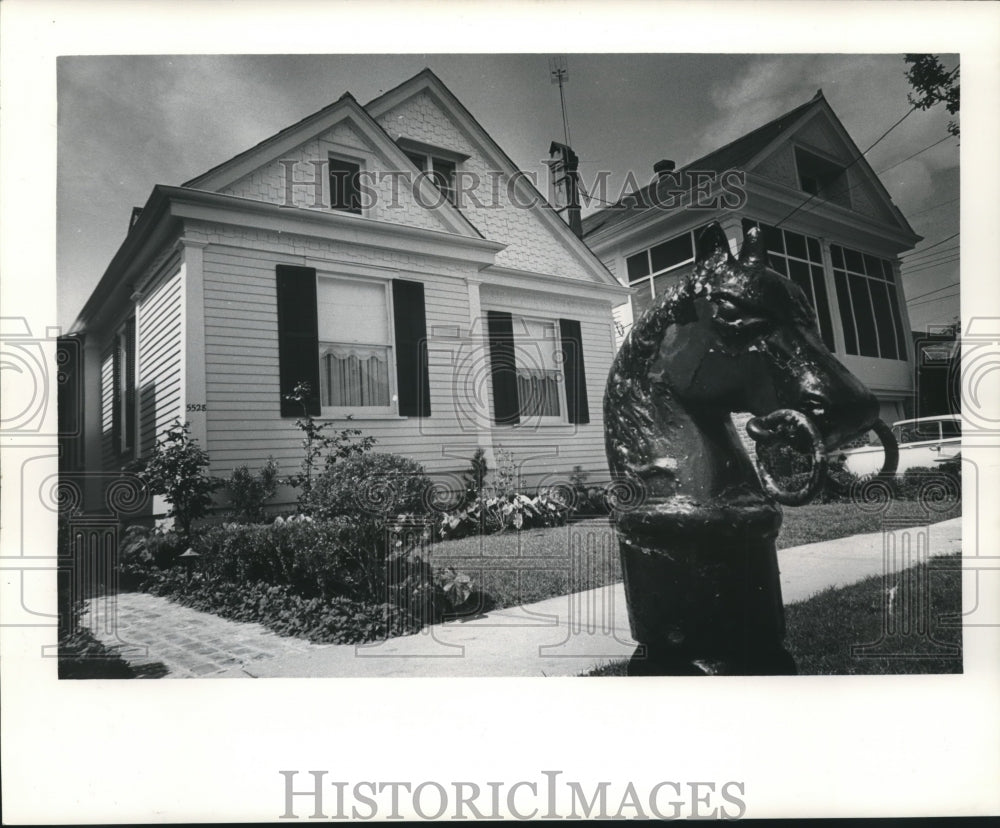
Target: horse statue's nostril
{"type": "Point", "coordinates": [813, 405]}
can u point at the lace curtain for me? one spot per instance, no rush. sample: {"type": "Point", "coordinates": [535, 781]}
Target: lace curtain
{"type": "Point", "coordinates": [354, 375]}
{"type": "Point", "coordinates": [538, 392]}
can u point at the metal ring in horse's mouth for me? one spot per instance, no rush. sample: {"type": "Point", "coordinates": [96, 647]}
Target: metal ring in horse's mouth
{"type": "Point", "coordinates": [790, 426]}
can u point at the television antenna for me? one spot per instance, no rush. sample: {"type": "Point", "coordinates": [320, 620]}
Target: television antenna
{"type": "Point", "coordinates": [559, 73]}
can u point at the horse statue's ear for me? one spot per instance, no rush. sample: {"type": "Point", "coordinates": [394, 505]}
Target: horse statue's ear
{"type": "Point", "coordinates": [753, 252]}
{"type": "Point", "coordinates": [712, 243]}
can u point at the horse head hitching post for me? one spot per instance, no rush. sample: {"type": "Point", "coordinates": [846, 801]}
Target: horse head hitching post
{"type": "Point", "coordinates": [698, 542]}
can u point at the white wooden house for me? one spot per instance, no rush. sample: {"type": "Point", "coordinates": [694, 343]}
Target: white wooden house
{"type": "Point", "coordinates": [391, 256]}
{"type": "Point", "coordinates": [829, 223]}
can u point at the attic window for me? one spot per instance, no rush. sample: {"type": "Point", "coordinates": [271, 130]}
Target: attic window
{"type": "Point", "coordinates": [441, 171]}
{"type": "Point", "coordinates": [345, 191]}
{"type": "Point", "coordinates": [822, 178]}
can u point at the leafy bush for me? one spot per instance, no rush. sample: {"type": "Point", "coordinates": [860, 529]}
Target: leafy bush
{"type": "Point", "coordinates": [144, 552]}
{"type": "Point", "coordinates": [335, 620]}
{"type": "Point", "coordinates": [175, 469]}
{"type": "Point", "coordinates": [380, 485]}
{"type": "Point", "coordinates": [499, 513]}
{"type": "Point", "coordinates": [249, 492]}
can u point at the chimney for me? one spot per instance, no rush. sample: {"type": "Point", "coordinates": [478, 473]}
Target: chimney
{"type": "Point", "coordinates": [664, 166]}
{"type": "Point", "coordinates": [136, 213]}
{"type": "Point", "coordinates": [564, 185]}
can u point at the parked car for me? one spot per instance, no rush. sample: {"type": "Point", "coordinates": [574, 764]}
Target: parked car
{"type": "Point", "coordinates": [923, 442]}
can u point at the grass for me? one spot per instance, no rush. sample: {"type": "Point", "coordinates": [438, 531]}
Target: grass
{"type": "Point", "coordinates": [844, 631]}
{"type": "Point", "coordinates": [521, 568]}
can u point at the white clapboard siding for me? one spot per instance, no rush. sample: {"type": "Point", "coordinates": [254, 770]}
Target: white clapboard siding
{"type": "Point", "coordinates": [241, 364]}
{"type": "Point", "coordinates": [160, 357]}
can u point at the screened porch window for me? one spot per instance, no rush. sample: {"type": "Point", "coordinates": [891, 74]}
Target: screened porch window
{"type": "Point", "coordinates": [354, 344]}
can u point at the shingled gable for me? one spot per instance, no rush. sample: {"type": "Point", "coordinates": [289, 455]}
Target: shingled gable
{"type": "Point", "coordinates": [428, 82]}
{"type": "Point", "coordinates": [345, 109]}
{"type": "Point", "coordinates": [748, 153]}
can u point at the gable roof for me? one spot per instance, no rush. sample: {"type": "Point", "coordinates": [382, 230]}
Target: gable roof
{"type": "Point", "coordinates": [345, 107]}
{"type": "Point", "coordinates": [426, 79]}
{"type": "Point", "coordinates": [741, 152]}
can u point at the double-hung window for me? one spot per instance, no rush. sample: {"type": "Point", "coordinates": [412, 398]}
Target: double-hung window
{"type": "Point", "coordinates": [355, 345]}
{"type": "Point", "coordinates": [539, 377]}
{"type": "Point", "coordinates": [869, 304]}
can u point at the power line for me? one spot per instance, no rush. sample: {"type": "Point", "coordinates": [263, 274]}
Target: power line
{"type": "Point", "coordinates": [922, 295]}
{"type": "Point", "coordinates": [914, 155]}
{"type": "Point", "coordinates": [918, 252]}
{"type": "Point", "coordinates": [931, 266]}
{"type": "Point", "coordinates": [935, 206]}
{"type": "Point", "coordinates": [944, 251]}
{"type": "Point", "coordinates": [935, 299]}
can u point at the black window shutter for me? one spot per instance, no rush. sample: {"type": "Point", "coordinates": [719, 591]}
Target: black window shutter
{"type": "Point", "coordinates": [575, 375]}
{"type": "Point", "coordinates": [503, 366]}
{"type": "Point", "coordinates": [130, 383]}
{"type": "Point", "coordinates": [412, 381]}
{"type": "Point", "coordinates": [116, 395]}
{"type": "Point", "coordinates": [298, 337]}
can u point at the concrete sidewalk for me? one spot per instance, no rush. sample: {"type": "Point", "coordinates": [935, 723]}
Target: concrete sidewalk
{"type": "Point", "coordinates": [561, 636]}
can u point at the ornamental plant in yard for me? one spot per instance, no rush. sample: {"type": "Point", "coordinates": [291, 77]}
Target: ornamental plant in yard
{"type": "Point", "coordinates": [321, 450]}
{"type": "Point", "coordinates": [176, 469]}
{"type": "Point", "coordinates": [249, 492]}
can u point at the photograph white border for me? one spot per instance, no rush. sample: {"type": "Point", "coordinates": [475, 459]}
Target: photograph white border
{"type": "Point", "coordinates": [119, 751]}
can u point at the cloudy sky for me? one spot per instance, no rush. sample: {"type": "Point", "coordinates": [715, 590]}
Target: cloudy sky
{"type": "Point", "coordinates": [126, 123]}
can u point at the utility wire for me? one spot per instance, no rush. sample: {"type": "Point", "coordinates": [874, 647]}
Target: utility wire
{"type": "Point", "coordinates": [918, 252]}
{"type": "Point", "coordinates": [935, 299]}
{"type": "Point", "coordinates": [922, 295]}
{"type": "Point", "coordinates": [944, 251]}
{"type": "Point", "coordinates": [931, 266]}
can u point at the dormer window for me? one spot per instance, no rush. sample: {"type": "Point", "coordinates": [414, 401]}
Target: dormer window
{"type": "Point", "coordinates": [822, 178]}
{"type": "Point", "coordinates": [440, 165]}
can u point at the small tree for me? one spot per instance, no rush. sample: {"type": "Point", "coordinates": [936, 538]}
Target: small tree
{"type": "Point", "coordinates": [321, 449]}
{"type": "Point", "coordinates": [175, 469]}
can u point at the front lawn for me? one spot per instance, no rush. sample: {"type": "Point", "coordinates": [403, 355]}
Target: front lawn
{"type": "Point", "coordinates": [511, 569]}
{"type": "Point", "coordinates": [904, 625]}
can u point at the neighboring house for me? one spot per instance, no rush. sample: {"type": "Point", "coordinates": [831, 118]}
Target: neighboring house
{"type": "Point", "coordinates": [839, 237]}
{"type": "Point", "coordinates": [938, 372]}
{"type": "Point", "coordinates": [457, 313]}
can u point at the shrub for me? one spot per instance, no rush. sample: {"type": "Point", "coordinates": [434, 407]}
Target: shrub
{"type": "Point", "coordinates": [381, 485]}
{"type": "Point", "coordinates": [335, 620]}
{"type": "Point", "coordinates": [321, 450]}
{"type": "Point", "coordinates": [143, 553]}
{"type": "Point", "coordinates": [362, 559]}
{"type": "Point", "coordinates": [250, 492]}
{"type": "Point", "coordinates": [175, 469]}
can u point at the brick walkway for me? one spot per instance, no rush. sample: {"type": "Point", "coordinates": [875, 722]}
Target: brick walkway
{"type": "Point", "coordinates": [148, 631]}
